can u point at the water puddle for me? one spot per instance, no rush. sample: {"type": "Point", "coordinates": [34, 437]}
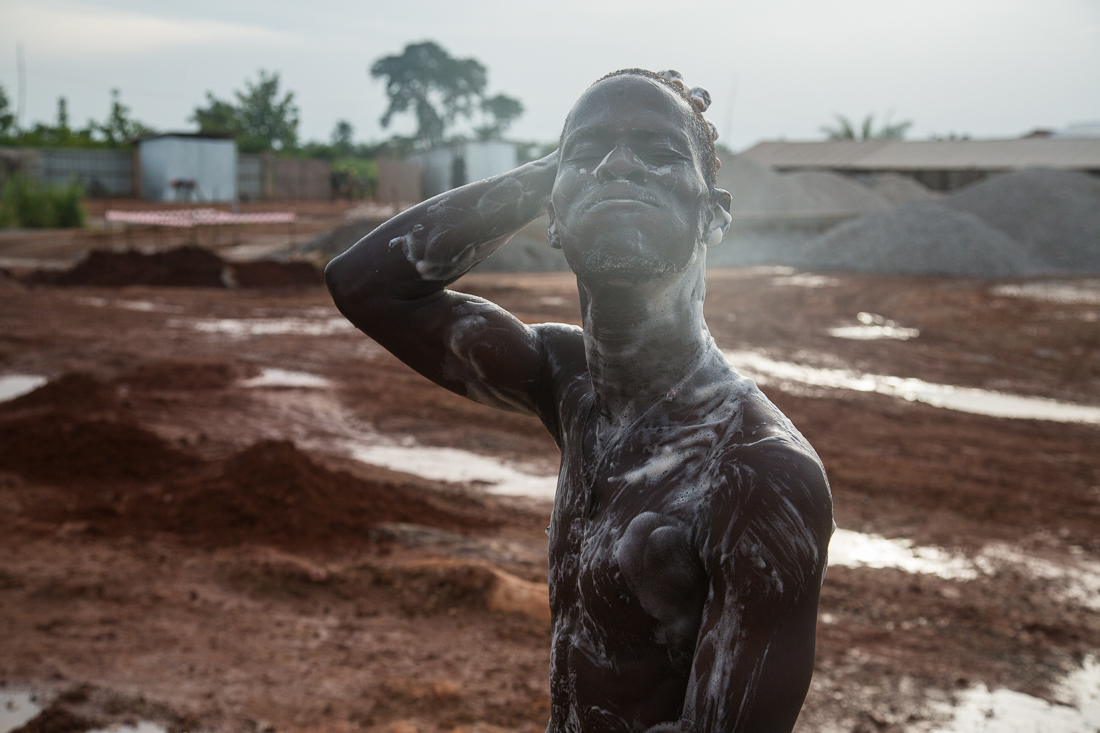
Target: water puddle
{"type": "Point", "coordinates": [245, 327]}
{"type": "Point", "coordinates": [273, 377]}
{"type": "Point", "coordinates": [804, 280]}
{"type": "Point", "coordinates": [17, 385]}
{"type": "Point", "coordinates": [1076, 708]}
{"type": "Point", "coordinates": [144, 306]}
{"type": "Point", "coordinates": [451, 464]}
{"type": "Point", "coordinates": [16, 708]}
{"type": "Point", "coordinates": [143, 726]}
{"type": "Point", "coordinates": [855, 549]}
{"type": "Point", "coordinates": [964, 399]}
{"type": "Point", "coordinates": [873, 326]}
{"type": "Point", "coordinates": [1084, 291]}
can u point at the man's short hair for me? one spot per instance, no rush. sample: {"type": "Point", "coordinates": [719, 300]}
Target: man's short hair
{"type": "Point", "coordinates": [699, 129]}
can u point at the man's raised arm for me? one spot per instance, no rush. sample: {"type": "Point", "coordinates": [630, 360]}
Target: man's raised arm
{"type": "Point", "coordinates": [392, 286]}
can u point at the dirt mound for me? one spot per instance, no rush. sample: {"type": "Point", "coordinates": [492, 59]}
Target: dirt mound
{"type": "Point", "coordinates": [273, 493]}
{"type": "Point", "coordinates": [921, 238]}
{"type": "Point", "coordinates": [185, 375]}
{"type": "Point", "coordinates": [185, 267]}
{"type": "Point", "coordinates": [274, 274]}
{"type": "Point", "coordinates": [336, 241]}
{"type": "Point", "coordinates": [76, 392]}
{"type": "Point", "coordinates": [1054, 214]}
{"type": "Point", "coordinates": [61, 448]}
{"type": "Point", "coordinates": [192, 267]}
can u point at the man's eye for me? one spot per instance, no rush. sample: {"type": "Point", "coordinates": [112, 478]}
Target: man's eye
{"type": "Point", "coordinates": [662, 155]}
{"type": "Point", "coordinates": [587, 154]}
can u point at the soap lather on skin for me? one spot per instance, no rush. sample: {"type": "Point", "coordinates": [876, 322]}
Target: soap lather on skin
{"type": "Point", "coordinates": [691, 520]}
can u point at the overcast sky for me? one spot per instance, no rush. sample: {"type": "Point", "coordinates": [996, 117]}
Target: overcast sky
{"type": "Point", "coordinates": [776, 68]}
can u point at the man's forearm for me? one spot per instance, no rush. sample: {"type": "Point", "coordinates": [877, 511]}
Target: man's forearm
{"type": "Point", "coordinates": [439, 240]}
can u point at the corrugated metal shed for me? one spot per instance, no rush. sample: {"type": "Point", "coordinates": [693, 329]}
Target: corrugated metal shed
{"type": "Point", "coordinates": [929, 155]}
{"type": "Point", "coordinates": [209, 162]}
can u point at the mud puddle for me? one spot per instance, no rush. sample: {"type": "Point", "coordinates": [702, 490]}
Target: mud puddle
{"type": "Point", "coordinates": [17, 385]}
{"type": "Point", "coordinates": [964, 399]}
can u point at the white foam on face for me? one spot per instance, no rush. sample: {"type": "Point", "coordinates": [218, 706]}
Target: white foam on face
{"type": "Point", "coordinates": [855, 549]}
{"type": "Point", "coordinates": [1076, 710]}
{"type": "Point", "coordinates": [17, 385]}
{"type": "Point", "coordinates": [273, 377]}
{"type": "Point", "coordinates": [16, 708]}
{"type": "Point", "coordinates": [245, 327]}
{"type": "Point", "coordinates": [964, 399]}
{"type": "Point", "coordinates": [1086, 291]}
{"type": "Point", "coordinates": [451, 464]}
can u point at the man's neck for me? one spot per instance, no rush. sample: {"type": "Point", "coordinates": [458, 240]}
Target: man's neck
{"type": "Point", "coordinates": [641, 342]}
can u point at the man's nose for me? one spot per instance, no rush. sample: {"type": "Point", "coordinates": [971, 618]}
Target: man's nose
{"type": "Point", "coordinates": [621, 164]}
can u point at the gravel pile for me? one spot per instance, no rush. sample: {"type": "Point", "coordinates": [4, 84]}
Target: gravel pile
{"type": "Point", "coordinates": [898, 189]}
{"type": "Point", "coordinates": [756, 188]}
{"type": "Point", "coordinates": [921, 238]}
{"type": "Point", "coordinates": [1054, 214]}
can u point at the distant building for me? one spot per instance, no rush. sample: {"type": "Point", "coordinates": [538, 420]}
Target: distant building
{"type": "Point", "coordinates": [942, 165]}
{"type": "Point", "coordinates": [455, 164]}
{"type": "Point", "coordinates": [188, 167]}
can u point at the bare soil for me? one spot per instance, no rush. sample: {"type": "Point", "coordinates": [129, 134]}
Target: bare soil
{"type": "Point", "coordinates": [181, 548]}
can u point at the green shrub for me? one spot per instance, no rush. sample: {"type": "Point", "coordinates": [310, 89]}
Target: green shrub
{"type": "Point", "coordinates": [29, 205]}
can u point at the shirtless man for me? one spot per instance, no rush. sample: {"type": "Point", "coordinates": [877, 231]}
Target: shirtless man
{"type": "Point", "coordinates": [691, 522]}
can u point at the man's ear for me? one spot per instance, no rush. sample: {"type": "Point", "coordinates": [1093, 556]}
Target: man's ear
{"type": "Point", "coordinates": [552, 236]}
{"type": "Point", "coordinates": [718, 217]}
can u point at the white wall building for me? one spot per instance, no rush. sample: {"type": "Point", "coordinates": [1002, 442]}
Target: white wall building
{"type": "Point", "coordinates": [455, 164]}
{"type": "Point", "coordinates": [188, 167]}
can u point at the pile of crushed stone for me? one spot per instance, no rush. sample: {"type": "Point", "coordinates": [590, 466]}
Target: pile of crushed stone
{"type": "Point", "coordinates": [186, 266]}
{"type": "Point", "coordinates": [757, 189]}
{"type": "Point", "coordinates": [1020, 224]}
{"type": "Point", "coordinates": [921, 238]}
{"type": "Point", "coordinates": [898, 189]}
{"type": "Point", "coordinates": [1054, 214]}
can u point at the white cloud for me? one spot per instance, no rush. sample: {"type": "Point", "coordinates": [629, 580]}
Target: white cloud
{"type": "Point", "coordinates": [66, 30]}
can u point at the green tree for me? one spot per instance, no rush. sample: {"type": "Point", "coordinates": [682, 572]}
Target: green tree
{"type": "Point", "coordinates": [845, 130]}
{"type": "Point", "coordinates": [7, 117]}
{"type": "Point", "coordinates": [436, 87]}
{"type": "Point", "coordinates": [260, 119]}
{"type": "Point", "coordinates": [502, 111]}
{"type": "Point", "coordinates": [342, 137]}
{"type": "Point", "coordinates": [119, 128]}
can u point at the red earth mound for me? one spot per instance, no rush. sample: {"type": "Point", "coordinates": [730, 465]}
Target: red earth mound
{"type": "Point", "coordinates": [273, 493]}
{"type": "Point", "coordinates": [171, 374]}
{"type": "Point", "coordinates": [272, 274]}
{"type": "Point", "coordinates": [181, 267]}
{"type": "Point", "coordinates": [187, 266]}
{"type": "Point", "coordinates": [77, 392]}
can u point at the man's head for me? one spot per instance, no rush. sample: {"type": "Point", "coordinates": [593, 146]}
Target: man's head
{"type": "Point", "coordinates": [634, 198]}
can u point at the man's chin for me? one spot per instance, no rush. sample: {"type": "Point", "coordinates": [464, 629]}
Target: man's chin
{"type": "Point", "coordinates": [611, 268]}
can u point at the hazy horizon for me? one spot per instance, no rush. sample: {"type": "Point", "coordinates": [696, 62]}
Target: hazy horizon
{"type": "Point", "coordinates": [776, 70]}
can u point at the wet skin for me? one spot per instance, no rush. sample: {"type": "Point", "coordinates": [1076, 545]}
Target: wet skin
{"type": "Point", "coordinates": [691, 521]}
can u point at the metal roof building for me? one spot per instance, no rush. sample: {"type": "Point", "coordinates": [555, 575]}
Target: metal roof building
{"type": "Point", "coordinates": [939, 164]}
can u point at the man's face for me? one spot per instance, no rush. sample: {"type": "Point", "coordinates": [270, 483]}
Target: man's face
{"type": "Point", "coordinates": [630, 199]}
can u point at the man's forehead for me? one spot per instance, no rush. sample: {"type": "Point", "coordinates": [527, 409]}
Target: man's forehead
{"type": "Point", "coordinates": [629, 102]}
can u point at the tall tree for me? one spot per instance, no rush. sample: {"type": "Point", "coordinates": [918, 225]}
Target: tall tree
{"type": "Point", "coordinates": [436, 87]}
{"type": "Point", "coordinates": [119, 128]}
{"type": "Point", "coordinates": [261, 119]}
{"type": "Point", "coordinates": [342, 137]}
{"type": "Point", "coordinates": [7, 117]}
{"type": "Point", "coordinates": [502, 111]}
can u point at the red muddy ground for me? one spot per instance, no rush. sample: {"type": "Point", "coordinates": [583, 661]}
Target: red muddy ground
{"type": "Point", "coordinates": [177, 547]}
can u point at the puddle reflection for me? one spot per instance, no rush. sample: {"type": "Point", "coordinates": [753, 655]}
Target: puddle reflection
{"type": "Point", "coordinates": [964, 399]}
